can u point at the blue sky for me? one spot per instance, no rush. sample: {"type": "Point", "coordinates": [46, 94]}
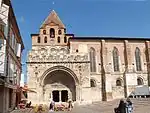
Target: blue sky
{"type": "Point", "coordinates": [122, 18]}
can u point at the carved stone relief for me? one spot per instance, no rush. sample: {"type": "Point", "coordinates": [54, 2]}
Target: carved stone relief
{"type": "Point", "coordinates": [57, 54]}
{"type": "Point", "coordinates": [85, 81]}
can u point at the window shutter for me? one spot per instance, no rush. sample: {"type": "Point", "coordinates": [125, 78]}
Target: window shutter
{"type": "Point", "coordinates": [18, 50]}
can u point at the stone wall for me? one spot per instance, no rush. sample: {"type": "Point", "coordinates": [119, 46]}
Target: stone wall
{"type": "Point", "coordinates": [73, 58]}
{"type": "Point", "coordinates": [118, 92]}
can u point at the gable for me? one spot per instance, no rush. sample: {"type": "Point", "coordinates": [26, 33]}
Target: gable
{"type": "Point", "coordinates": [53, 20]}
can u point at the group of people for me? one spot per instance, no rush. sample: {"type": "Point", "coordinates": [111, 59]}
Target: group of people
{"type": "Point", "coordinates": [28, 105]}
{"type": "Point", "coordinates": [52, 105]}
{"type": "Point", "coordinates": [124, 107]}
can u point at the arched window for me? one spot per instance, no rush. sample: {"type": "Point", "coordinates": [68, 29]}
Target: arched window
{"type": "Point", "coordinates": [65, 39]}
{"type": "Point", "coordinates": [118, 82]}
{"type": "Point", "coordinates": [139, 81]}
{"type": "Point", "coordinates": [58, 39]}
{"type": "Point", "coordinates": [44, 32]}
{"type": "Point", "coordinates": [92, 60]}
{"type": "Point", "coordinates": [45, 40]}
{"type": "Point", "coordinates": [52, 33]}
{"type": "Point", "coordinates": [92, 83]}
{"type": "Point", "coordinates": [138, 59]}
{"type": "Point", "coordinates": [116, 59]}
{"type": "Point", "coordinates": [65, 30]}
{"type": "Point", "coordinates": [38, 40]}
{"type": "Point", "coordinates": [59, 32]}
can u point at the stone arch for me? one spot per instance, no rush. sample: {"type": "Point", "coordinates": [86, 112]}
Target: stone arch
{"type": "Point", "coordinates": [140, 81]}
{"type": "Point", "coordinates": [59, 79]}
{"type": "Point", "coordinates": [92, 54]}
{"type": "Point", "coordinates": [62, 68]}
{"type": "Point", "coordinates": [92, 82]}
{"type": "Point", "coordinates": [115, 54]}
{"type": "Point", "coordinates": [138, 59]}
{"type": "Point", "coordinates": [52, 33]}
{"type": "Point", "coordinates": [119, 82]}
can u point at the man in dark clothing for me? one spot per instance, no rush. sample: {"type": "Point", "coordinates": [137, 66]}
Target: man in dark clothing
{"type": "Point", "coordinates": [129, 106]}
{"type": "Point", "coordinates": [121, 107]}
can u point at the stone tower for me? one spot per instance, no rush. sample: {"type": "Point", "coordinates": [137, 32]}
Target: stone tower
{"type": "Point", "coordinates": [53, 71]}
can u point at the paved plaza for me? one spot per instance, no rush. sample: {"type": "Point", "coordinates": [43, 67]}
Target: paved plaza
{"type": "Point", "coordinates": [140, 106]}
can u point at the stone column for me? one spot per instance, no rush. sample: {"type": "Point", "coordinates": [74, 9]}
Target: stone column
{"type": "Point", "coordinates": [128, 56]}
{"type": "Point", "coordinates": [42, 94]}
{"type": "Point", "coordinates": [77, 93]}
{"type": "Point", "coordinates": [47, 96]}
{"type": "Point", "coordinates": [106, 76]}
{"type": "Point", "coordinates": [148, 60]}
{"type": "Point", "coordinates": [103, 71]}
{"type": "Point", "coordinates": [60, 96]}
{"type": "Point", "coordinates": [129, 77]}
{"type": "Point", "coordinates": [81, 93]}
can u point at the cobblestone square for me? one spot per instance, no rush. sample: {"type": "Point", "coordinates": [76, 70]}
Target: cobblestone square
{"type": "Point", "coordinates": [140, 106]}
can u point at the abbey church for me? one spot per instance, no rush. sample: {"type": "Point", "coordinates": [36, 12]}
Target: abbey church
{"type": "Point", "coordinates": [62, 66]}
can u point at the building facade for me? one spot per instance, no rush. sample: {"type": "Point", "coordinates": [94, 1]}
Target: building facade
{"type": "Point", "coordinates": [62, 66]}
{"type": "Point", "coordinates": [11, 46]}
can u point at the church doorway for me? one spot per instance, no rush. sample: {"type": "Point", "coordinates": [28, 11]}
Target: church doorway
{"type": "Point", "coordinates": [61, 85]}
{"type": "Point", "coordinates": [55, 94]}
{"type": "Point", "coordinates": [64, 95]}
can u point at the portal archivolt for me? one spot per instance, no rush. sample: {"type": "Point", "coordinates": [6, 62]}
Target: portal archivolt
{"type": "Point", "coordinates": [59, 83]}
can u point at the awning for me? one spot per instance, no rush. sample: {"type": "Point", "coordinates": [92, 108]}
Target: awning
{"type": "Point", "coordinates": [141, 90]}
{"type": "Point", "coordinates": [28, 90]}
{"type": "Point", "coordinates": [23, 96]}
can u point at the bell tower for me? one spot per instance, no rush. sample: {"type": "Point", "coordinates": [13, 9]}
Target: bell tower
{"type": "Point", "coordinates": [52, 32]}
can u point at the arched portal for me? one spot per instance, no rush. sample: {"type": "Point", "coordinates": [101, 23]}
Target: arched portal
{"type": "Point", "coordinates": [59, 84]}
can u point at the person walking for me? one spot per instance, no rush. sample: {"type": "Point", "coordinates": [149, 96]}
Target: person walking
{"type": "Point", "coordinates": [129, 106]}
{"type": "Point", "coordinates": [70, 106]}
{"type": "Point", "coordinates": [52, 105]}
{"type": "Point", "coordinates": [121, 107]}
